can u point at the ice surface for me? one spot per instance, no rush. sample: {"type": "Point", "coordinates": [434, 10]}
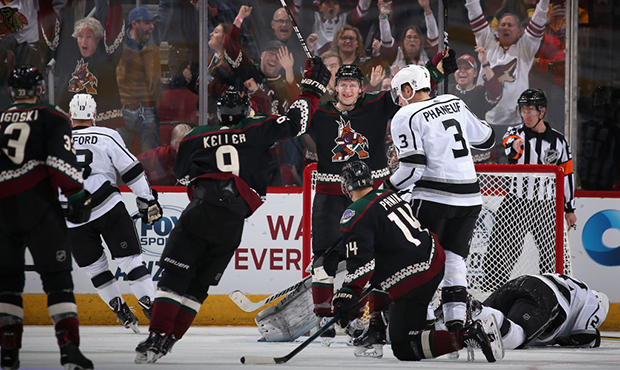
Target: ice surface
{"type": "Point", "coordinates": [112, 347]}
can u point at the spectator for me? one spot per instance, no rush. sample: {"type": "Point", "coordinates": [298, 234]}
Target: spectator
{"type": "Point", "coordinates": [183, 41]}
{"type": "Point", "coordinates": [411, 44]}
{"type": "Point", "coordinates": [283, 32]}
{"type": "Point", "coordinates": [333, 62]}
{"type": "Point", "coordinates": [532, 142]}
{"type": "Point", "coordinates": [510, 54]}
{"type": "Point", "coordinates": [139, 75]}
{"type": "Point", "coordinates": [19, 35]}
{"type": "Point", "coordinates": [328, 19]}
{"type": "Point", "coordinates": [86, 60]}
{"type": "Point", "coordinates": [556, 20]}
{"type": "Point", "coordinates": [158, 162]}
{"type": "Point", "coordinates": [479, 98]}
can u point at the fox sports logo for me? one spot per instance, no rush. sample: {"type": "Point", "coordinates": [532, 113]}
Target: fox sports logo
{"type": "Point", "coordinates": [153, 238]}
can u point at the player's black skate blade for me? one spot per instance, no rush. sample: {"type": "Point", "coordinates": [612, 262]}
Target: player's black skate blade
{"type": "Point", "coordinates": [485, 336]}
{"type": "Point", "coordinates": [71, 358]}
{"type": "Point", "coordinates": [10, 358]}
{"type": "Point", "coordinates": [154, 347]}
{"type": "Point", "coordinates": [124, 314]}
{"type": "Point", "coordinates": [147, 306]}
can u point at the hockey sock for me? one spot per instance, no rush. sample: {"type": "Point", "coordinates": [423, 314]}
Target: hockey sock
{"type": "Point", "coordinates": [435, 343]}
{"type": "Point", "coordinates": [186, 315]}
{"type": "Point", "coordinates": [107, 287]}
{"type": "Point", "coordinates": [11, 335]}
{"type": "Point", "coordinates": [67, 330]}
{"type": "Point", "coordinates": [165, 309]}
{"type": "Point", "coordinates": [141, 282]}
{"type": "Point", "coordinates": [322, 298]}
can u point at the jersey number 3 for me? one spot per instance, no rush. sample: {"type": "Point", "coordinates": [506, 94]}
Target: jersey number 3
{"type": "Point", "coordinates": [458, 137]}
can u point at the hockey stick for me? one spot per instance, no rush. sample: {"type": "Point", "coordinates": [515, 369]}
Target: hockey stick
{"type": "Point", "coordinates": [608, 337]}
{"type": "Point", "coordinates": [247, 305]}
{"type": "Point", "coordinates": [446, 44]}
{"type": "Point", "coordinates": [259, 360]}
{"type": "Point", "coordinates": [296, 29]}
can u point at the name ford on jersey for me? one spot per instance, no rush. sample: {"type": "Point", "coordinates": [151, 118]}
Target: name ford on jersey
{"type": "Point", "coordinates": [84, 139]}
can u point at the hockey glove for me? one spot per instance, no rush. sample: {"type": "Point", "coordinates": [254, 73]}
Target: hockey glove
{"type": "Point", "coordinates": [316, 77]}
{"type": "Point", "coordinates": [346, 303]}
{"type": "Point", "coordinates": [78, 207]}
{"type": "Point", "coordinates": [442, 64]}
{"type": "Point", "coordinates": [150, 210]}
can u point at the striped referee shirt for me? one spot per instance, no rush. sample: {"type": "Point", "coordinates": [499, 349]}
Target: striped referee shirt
{"type": "Point", "coordinates": [549, 147]}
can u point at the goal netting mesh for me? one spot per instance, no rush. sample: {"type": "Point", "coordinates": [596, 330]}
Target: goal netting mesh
{"type": "Point", "coordinates": [520, 229]}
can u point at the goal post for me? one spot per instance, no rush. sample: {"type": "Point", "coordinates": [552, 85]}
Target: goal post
{"type": "Point", "coordinates": [497, 252]}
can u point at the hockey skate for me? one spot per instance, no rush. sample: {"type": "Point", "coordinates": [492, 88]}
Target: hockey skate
{"type": "Point", "coordinates": [124, 314]}
{"type": "Point", "coordinates": [329, 334]}
{"type": "Point", "coordinates": [371, 342]}
{"type": "Point", "coordinates": [484, 335]}
{"type": "Point", "coordinates": [147, 306]}
{"type": "Point", "coordinates": [10, 358]}
{"type": "Point", "coordinates": [72, 359]}
{"type": "Point", "coordinates": [9, 343]}
{"type": "Point", "coordinates": [354, 330]}
{"type": "Point", "coordinates": [154, 347]}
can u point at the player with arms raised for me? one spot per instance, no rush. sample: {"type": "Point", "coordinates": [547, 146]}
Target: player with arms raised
{"type": "Point", "coordinates": [101, 153]}
{"type": "Point", "coordinates": [433, 139]}
{"type": "Point", "coordinates": [386, 245]}
{"type": "Point", "coordinates": [36, 157]}
{"type": "Point", "coordinates": [224, 168]}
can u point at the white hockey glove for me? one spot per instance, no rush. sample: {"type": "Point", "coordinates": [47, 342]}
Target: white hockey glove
{"type": "Point", "coordinates": [150, 210]}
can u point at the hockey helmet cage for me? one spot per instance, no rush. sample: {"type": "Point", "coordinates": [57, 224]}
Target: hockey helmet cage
{"type": "Point", "coordinates": [82, 106]}
{"type": "Point", "coordinates": [355, 175]}
{"type": "Point", "coordinates": [532, 98]}
{"type": "Point", "coordinates": [24, 82]}
{"type": "Point", "coordinates": [350, 72]}
{"type": "Point", "coordinates": [417, 77]}
{"type": "Point", "coordinates": [233, 106]}
{"type": "Point", "coordinates": [603, 302]}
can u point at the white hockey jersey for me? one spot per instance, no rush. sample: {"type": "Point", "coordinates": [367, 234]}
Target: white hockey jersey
{"type": "Point", "coordinates": [101, 152]}
{"type": "Point", "coordinates": [511, 65]}
{"type": "Point", "coordinates": [433, 140]}
{"type": "Point", "coordinates": [583, 314]}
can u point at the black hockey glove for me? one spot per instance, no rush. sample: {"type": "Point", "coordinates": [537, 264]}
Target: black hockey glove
{"type": "Point", "coordinates": [346, 303]}
{"type": "Point", "coordinates": [150, 210]}
{"type": "Point", "coordinates": [78, 207]}
{"type": "Point", "coordinates": [316, 77]}
{"type": "Point", "coordinates": [442, 65]}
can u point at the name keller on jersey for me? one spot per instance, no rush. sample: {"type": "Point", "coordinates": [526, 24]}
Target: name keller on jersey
{"type": "Point", "coordinates": [19, 116]}
{"type": "Point", "coordinates": [435, 112]}
{"type": "Point", "coordinates": [223, 139]}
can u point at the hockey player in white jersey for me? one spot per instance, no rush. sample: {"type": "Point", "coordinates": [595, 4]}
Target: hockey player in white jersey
{"type": "Point", "coordinates": [433, 137]}
{"type": "Point", "coordinates": [547, 309]}
{"type": "Point", "coordinates": [101, 152]}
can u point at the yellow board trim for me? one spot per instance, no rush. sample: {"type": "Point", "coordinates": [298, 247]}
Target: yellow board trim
{"type": "Point", "coordinates": [217, 310]}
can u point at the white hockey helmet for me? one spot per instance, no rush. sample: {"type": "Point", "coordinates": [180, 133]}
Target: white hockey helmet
{"type": "Point", "coordinates": [82, 106]}
{"type": "Point", "coordinates": [417, 77]}
{"type": "Point", "coordinates": [603, 302]}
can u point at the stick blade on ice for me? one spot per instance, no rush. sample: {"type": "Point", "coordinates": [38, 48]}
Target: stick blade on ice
{"type": "Point", "coordinates": [257, 360]}
{"type": "Point", "coordinates": [241, 300]}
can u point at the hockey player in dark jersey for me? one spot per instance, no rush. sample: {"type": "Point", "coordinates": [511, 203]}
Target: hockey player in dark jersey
{"type": "Point", "coordinates": [386, 246]}
{"type": "Point", "coordinates": [36, 158]}
{"type": "Point", "coordinates": [349, 128]}
{"type": "Point", "coordinates": [433, 138]}
{"type": "Point", "coordinates": [101, 153]}
{"type": "Point", "coordinates": [547, 309]}
{"type": "Point", "coordinates": [224, 168]}
{"type": "Point", "coordinates": [532, 142]}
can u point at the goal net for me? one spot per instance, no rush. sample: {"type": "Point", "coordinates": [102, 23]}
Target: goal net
{"type": "Point", "coordinates": [520, 229]}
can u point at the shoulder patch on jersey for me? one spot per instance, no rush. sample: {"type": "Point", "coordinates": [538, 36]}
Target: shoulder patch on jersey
{"type": "Point", "coordinates": [347, 216]}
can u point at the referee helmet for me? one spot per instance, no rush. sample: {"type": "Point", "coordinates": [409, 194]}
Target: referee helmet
{"type": "Point", "coordinates": [532, 98]}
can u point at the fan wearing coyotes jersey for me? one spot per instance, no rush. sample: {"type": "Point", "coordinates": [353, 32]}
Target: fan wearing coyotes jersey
{"type": "Point", "coordinates": [547, 309]}
{"type": "Point", "coordinates": [36, 158]}
{"type": "Point", "coordinates": [532, 142]}
{"type": "Point", "coordinates": [224, 169]}
{"type": "Point", "coordinates": [101, 153]}
{"type": "Point", "coordinates": [433, 139]}
{"type": "Point", "coordinates": [386, 246]}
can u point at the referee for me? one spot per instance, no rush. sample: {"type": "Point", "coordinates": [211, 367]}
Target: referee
{"type": "Point", "coordinates": [532, 142]}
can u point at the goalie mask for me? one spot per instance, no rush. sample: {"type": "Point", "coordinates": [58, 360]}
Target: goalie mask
{"type": "Point", "coordinates": [26, 82]}
{"type": "Point", "coordinates": [82, 106]}
{"type": "Point", "coordinates": [232, 107]}
{"type": "Point", "coordinates": [355, 175]}
{"type": "Point", "coordinates": [417, 77]}
{"type": "Point", "coordinates": [603, 302]}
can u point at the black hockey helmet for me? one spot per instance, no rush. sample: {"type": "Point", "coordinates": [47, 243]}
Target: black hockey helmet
{"type": "Point", "coordinates": [24, 82]}
{"type": "Point", "coordinates": [350, 72]}
{"type": "Point", "coordinates": [532, 98]}
{"type": "Point", "coordinates": [355, 175]}
{"type": "Point", "coordinates": [233, 106]}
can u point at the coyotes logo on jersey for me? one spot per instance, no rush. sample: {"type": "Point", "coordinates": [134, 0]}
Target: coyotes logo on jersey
{"type": "Point", "coordinates": [506, 72]}
{"type": "Point", "coordinates": [348, 143]}
{"type": "Point", "coordinates": [83, 80]}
